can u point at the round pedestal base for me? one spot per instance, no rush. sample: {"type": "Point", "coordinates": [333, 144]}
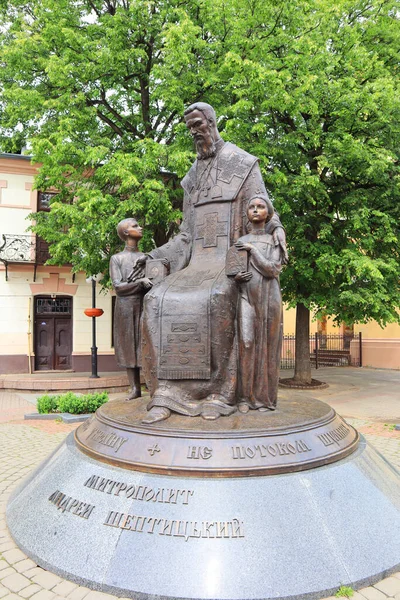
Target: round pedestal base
{"type": "Point", "coordinates": [149, 536]}
{"type": "Point", "coordinates": [298, 435]}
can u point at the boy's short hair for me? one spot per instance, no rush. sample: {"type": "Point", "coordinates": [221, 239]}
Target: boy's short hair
{"type": "Point", "coordinates": [121, 227]}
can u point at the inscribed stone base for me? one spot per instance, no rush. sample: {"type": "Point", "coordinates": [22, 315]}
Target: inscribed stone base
{"type": "Point", "coordinates": [149, 536]}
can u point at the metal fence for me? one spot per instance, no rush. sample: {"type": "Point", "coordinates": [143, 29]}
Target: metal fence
{"type": "Point", "coordinates": [334, 350]}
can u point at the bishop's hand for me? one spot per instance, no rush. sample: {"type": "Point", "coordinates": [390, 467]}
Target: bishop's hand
{"type": "Point", "coordinates": [166, 264]}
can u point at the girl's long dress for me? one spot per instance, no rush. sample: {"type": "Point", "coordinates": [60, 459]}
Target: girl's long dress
{"type": "Point", "coordinates": [260, 324]}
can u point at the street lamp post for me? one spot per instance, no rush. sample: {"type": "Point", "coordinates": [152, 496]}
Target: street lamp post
{"type": "Point", "coordinates": [94, 374]}
{"type": "Point", "coordinates": [94, 312]}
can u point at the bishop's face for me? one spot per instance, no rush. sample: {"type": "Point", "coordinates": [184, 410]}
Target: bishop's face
{"type": "Point", "coordinates": [202, 133]}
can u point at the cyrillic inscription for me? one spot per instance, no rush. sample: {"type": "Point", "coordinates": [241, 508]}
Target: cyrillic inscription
{"type": "Point", "coordinates": [266, 450]}
{"type": "Point", "coordinates": [138, 492]}
{"type": "Point", "coordinates": [334, 436]}
{"type": "Point", "coordinates": [176, 528]}
{"type": "Point", "coordinates": [68, 504]}
{"type": "Point", "coordinates": [112, 440]}
{"type": "Point", "coordinates": [197, 452]}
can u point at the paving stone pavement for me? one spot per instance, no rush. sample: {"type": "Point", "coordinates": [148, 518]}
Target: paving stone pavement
{"type": "Point", "coordinates": [23, 445]}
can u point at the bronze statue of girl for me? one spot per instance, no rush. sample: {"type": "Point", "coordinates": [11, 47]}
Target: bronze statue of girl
{"type": "Point", "coordinates": [260, 307]}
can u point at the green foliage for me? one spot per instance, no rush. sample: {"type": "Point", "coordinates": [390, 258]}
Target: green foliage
{"type": "Point", "coordinates": [312, 88]}
{"type": "Point", "coordinates": [71, 403]}
{"type": "Point", "coordinates": [47, 404]}
{"type": "Point", "coordinates": [77, 405]}
{"type": "Point", "coordinates": [344, 592]}
{"type": "Point", "coordinates": [316, 96]}
{"type": "Point", "coordinates": [390, 426]}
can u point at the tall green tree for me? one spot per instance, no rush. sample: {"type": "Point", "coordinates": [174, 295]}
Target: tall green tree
{"type": "Point", "coordinates": [98, 88]}
{"type": "Point", "coordinates": [315, 94]}
{"type": "Point", "coordinates": [86, 82]}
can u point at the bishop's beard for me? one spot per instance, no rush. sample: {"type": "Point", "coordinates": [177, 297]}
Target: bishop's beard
{"type": "Point", "coordinates": [205, 149]}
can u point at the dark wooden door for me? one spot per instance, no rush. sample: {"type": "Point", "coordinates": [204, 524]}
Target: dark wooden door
{"type": "Point", "coordinates": [44, 343]}
{"type": "Point", "coordinates": [53, 333]}
{"type": "Point", "coordinates": [62, 343]}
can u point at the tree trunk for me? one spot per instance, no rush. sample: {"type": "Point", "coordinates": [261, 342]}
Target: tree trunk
{"type": "Point", "coordinates": [302, 369]}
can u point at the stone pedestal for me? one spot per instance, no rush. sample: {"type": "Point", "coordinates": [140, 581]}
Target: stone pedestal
{"type": "Point", "coordinates": [257, 506]}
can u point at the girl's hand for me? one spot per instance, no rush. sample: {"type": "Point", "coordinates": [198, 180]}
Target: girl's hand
{"type": "Point", "coordinates": [244, 246]}
{"type": "Point", "coordinates": [243, 276]}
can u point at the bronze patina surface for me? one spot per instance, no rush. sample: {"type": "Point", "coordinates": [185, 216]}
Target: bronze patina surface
{"type": "Point", "coordinates": [130, 284]}
{"type": "Point", "coordinates": [297, 436]}
{"type": "Point", "coordinates": [212, 328]}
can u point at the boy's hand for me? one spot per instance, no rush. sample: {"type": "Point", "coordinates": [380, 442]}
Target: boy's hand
{"type": "Point", "coordinates": [136, 273]}
{"type": "Point", "coordinates": [141, 260]}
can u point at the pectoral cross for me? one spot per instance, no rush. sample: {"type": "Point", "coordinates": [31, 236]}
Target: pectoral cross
{"type": "Point", "coordinates": [205, 189]}
{"type": "Point", "coordinates": [211, 229]}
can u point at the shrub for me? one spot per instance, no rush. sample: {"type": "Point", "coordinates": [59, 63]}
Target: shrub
{"type": "Point", "coordinates": [81, 404]}
{"type": "Point", "coordinates": [47, 404]}
{"type": "Point", "coordinates": [95, 400]}
{"type": "Point", "coordinates": [71, 403]}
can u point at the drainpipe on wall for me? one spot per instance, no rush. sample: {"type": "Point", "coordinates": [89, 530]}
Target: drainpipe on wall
{"type": "Point", "coordinates": [29, 336]}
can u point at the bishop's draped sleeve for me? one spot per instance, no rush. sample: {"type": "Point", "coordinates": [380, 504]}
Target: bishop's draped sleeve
{"type": "Point", "coordinates": [178, 249]}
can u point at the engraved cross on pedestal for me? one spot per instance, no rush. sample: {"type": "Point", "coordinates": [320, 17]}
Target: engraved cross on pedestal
{"type": "Point", "coordinates": [152, 450]}
{"type": "Point", "coordinates": [211, 229]}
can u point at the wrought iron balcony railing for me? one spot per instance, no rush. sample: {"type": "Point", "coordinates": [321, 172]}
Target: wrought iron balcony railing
{"type": "Point", "coordinates": [23, 249]}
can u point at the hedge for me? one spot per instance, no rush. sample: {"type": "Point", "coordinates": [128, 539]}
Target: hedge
{"type": "Point", "coordinates": [71, 403]}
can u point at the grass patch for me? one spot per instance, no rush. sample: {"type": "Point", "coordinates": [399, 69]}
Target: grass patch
{"type": "Point", "coordinates": [344, 592]}
{"type": "Point", "coordinates": [390, 426]}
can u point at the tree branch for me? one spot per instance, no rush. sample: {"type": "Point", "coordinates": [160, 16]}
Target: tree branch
{"type": "Point", "coordinates": [113, 125]}
{"type": "Point", "coordinates": [166, 125]}
{"type": "Point", "coordinates": [119, 117]}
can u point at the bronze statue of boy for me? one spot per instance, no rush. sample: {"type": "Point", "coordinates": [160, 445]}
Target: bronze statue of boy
{"type": "Point", "coordinates": [130, 284]}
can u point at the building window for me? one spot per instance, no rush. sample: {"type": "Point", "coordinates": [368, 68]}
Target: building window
{"type": "Point", "coordinates": [44, 199]}
{"type": "Point", "coordinates": [60, 306]}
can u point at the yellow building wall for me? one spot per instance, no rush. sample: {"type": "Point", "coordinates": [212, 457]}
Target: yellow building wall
{"type": "Point", "coordinates": [289, 323]}
{"type": "Point", "coordinates": [369, 330]}
{"type": "Point", "coordinates": [17, 304]}
{"type": "Point", "coordinates": [373, 330]}
{"type": "Point", "coordinates": [82, 325]}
